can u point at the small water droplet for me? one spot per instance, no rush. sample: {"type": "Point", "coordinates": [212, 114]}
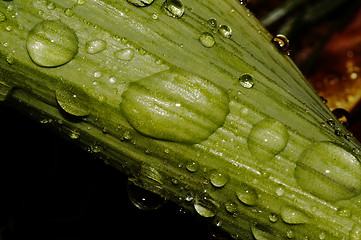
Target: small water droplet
{"type": "Point", "coordinates": [342, 115]}
{"type": "Point", "coordinates": [2, 17]}
{"type": "Point", "coordinates": [355, 233]}
{"type": "Point", "coordinates": [212, 22]}
{"type": "Point", "coordinates": [95, 46]}
{"type": "Point", "coordinates": [140, 3]}
{"type": "Point", "coordinates": [74, 134]}
{"type": "Point", "coordinates": [207, 40]}
{"type": "Point", "coordinates": [281, 42]}
{"type": "Point", "coordinates": [150, 103]}
{"type": "Point", "coordinates": [243, 2]}
{"type": "Point", "coordinates": [231, 207]}
{"type": "Point", "coordinates": [225, 31]}
{"type": "Point", "coordinates": [246, 81]}
{"type": "Point", "coordinates": [143, 199]}
{"type": "Point", "coordinates": [273, 217]}
{"type": "Point", "coordinates": [95, 148]}
{"type": "Point", "coordinates": [72, 103]}
{"type": "Point", "coordinates": [280, 191]}
{"type": "Point", "coordinates": [204, 208]}
{"type": "Point", "coordinates": [267, 138]}
{"type": "Point", "coordinates": [192, 166]}
{"type": "Point", "coordinates": [97, 74]}
{"type": "Point", "coordinates": [329, 171]}
{"type": "Point", "coordinates": [247, 195]}
{"type": "Point", "coordinates": [69, 12]}
{"type": "Point", "coordinates": [125, 54]}
{"type": "Point", "coordinates": [81, 2]}
{"type": "Point", "coordinates": [218, 179]}
{"type": "Point", "coordinates": [52, 43]}
{"type": "Point", "coordinates": [292, 215]}
{"type": "Point", "coordinates": [173, 8]}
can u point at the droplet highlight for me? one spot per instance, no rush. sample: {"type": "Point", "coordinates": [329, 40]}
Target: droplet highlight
{"type": "Point", "coordinates": [52, 43]}
{"type": "Point", "coordinates": [207, 40]}
{"type": "Point", "coordinates": [175, 105]}
{"type": "Point", "coordinates": [95, 46]}
{"type": "Point", "coordinates": [173, 8]}
{"type": "Point", "coordinates": [267, 138]}
{"type": "Point", "coordinates": [328, 171]}
{"type": "Point", "coordinates": [225, 31]}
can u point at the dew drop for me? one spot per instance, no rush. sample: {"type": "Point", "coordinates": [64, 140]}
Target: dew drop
{"type": "Point", "coordinates": [281, 42]}
{"type": "Point", "coordinates": [291, 215]}
{"type": "Point", "coordinates": [81, 2]}
{"type": "Point", "coordinates": [273, 217]}
{"type": "Point", "coordinates": [231, 207]}
{"type": "Point", "coordinates": [225, 31]}
{"type": "Point", "coordinates": [342, 115]}
{"type": "Point", "coordinates": [95, 46]}
{"type": "Point", "coordinates": [204, 208]}
{"type": "Point", "coordinates": [267, 138]}
{"type": "Point", "coordinates": [140, 3]}
{"type": "Point", "coordinates": [173, 8]}
{"type": "Point", "coordinates": [218, 179]}
{"type": "Point", "coordinates": [212, 22]}
{"type": "Point", "coordinates": [247, 195]}
{"type": "Point", "coordinates": [246, 81]}
{"type": "Point", "coordinates": [207, 40]}
{"type": "Point", "coordinates": [329, 171]}
{"type": "Point", "coordinates": [192, 166]}
{"type": "Point", "coordinates": [2, 17]}
{"type": "Point", "coordinates": [74, 134]}
{"type": "Point", "coordinates": [125, 54]}
{"type": "Point", "coordinates": [72, 103]}
{"type": "Point", "coordinates": [175, 105]}
{"type": "Point", "coordinates": [52, 43]}
{"type": "Point", "coordinates": [243, 2]}
{"type": "Point", "coordinates": [143, 199]}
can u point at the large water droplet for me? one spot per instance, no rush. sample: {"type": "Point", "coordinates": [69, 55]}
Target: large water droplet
{"type": "Point", "coordinates": [140, 3]}
{"type": "Point", "coordinates": [267, 138]}
{"type": "Point", "coordinates": [218, 179]}
{"type": "Point", "coordinates": [2, 17]}
{"type": "Point", "coordinates": [95, 46]}
{"type": "Point", "coordinates": [52, 43]}
{"type": "Point", "coordinates": [246, 80]}
{"type": "Point", "coordinates": [175, 105]}
{"type": "Point", "coordinates": [173, 8]}
{"type": "Point", "coordinates": [125, 54]}
{"type": "Point", "coordinates": [72, 103]}
{"type": "Point", "coordinates": [225, 31]}
{"type": "Point", "coordinates": [247, 195]}
{"type": "Point", "coordinates": [291, 215]}
{"type": "Point", "coordinates": [205, 208]}
{"type": "Point", "coordinates": [207, 40]}
{"type": "Point", "coordinates": [281, 42]}
{"type": "Point", "coordinates": [328, 171]}
{"type": "Point", "coordinates": [143, 199]}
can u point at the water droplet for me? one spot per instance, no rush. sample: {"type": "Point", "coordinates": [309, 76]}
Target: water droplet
{"type": "Point", "coordinates": [72, 103]}
{"type": "Point", "coordinates": [69, 12]}
{"type": "Point", "coordinates": [207, 40]}
{"type": "Point", "coordinates": [291, 215]}
{"type": "Point", "coordinates": [212, 22]}
{"type": "Point", "coordinates": [125, 54]}
{"type": "Point", "coordinates": [273, 217]}
{"type": "Point", "coordinates": [5, 91]}
{"type": "Point", "coordinates": [329, 171]}
{"type": "Point", "coordinates": [97, 74]}
{"type": "Point", "coordinates": [74, 134]}
{"type": "Point", "coordinates": [175, 105]}
{"type": "Point", "coordinates": [280, 191]}
{"type": "Point", "coordinates": [218, 179]}
{"type": "Point", "coordinates": [204, 208]}
{"type": "Point", "coordinates": [2, 17]}
{"type": "Point", "coordinates": [112, 80]}
{"type": "Point", "coordinates": [247, 195]}
{"type": "Point", "coordinates": [140, 3]}
{"type": "Point", "coordinates": [345, 212]}
{"type": "Point", "coordinates": [95, 46]}
{"type": "Point", "coordinates": [355, 233]}
{"type": "Point", "coordinates": [281, 42]}
{"type": "Point", "coordinates": [342, 115]}
{"type": "Point", "coordinates": [262, 233]}
{"type": "Point", "coordinates": [81, 2]}
{"type": "Point", "coordinates": [52, 43]}
{"type": "Point", "coordinates": [173, 8]}
{"type": "Point", "coordinates": [267, 138]}
{"type": "Point", "coordinates": [95, 148]}
{"type": "Point", "coordinates": [290, 234]}
{"type": "Point", "coordinates": [243, 2]}
{"type": "Point", "coordinates": [192, 166]}
{"type": "Point", "coordinates": [231, 207]}
{"type": "Point", "coordinates": [225, 31]}
{"type": "Point", "coordinates": [143, 199]}
{"type": "Point", "coordinates": [246, 81]}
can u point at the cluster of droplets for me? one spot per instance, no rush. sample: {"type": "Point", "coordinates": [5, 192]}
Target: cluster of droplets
{"type": "Point", "coordinates": [207, 39]}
